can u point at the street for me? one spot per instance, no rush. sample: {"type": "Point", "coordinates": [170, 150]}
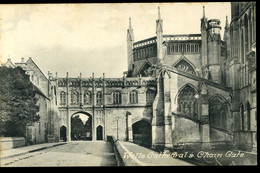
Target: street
{"type": "Point", "coordinates": [76, 153]}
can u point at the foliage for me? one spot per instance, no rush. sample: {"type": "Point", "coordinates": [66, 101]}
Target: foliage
{"type": "Point", "coordinates": [77, 127]}
{"type": "Point", "coordinates": [18, 104]}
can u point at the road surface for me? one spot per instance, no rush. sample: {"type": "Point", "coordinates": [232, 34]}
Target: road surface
{"type": "Point", "coordinates": [76, 153]}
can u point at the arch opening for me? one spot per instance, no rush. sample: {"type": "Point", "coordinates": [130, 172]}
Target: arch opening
{"type": "Point", "coordinates": [81, 126]}
{"type": "Point", "coordinates": [142, 133]}
{"type": "Point", "coordinates": [99, 132]}
{"type": "Point", "coordinates": [63, 133]}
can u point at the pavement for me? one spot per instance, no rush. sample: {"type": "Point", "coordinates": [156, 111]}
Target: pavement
{"type": "Point", "coordinates": [27, 149]}
{"type": "Point", "coordinates": [150, 157]}
{"type": "Point", "coordinates": [75, 153]}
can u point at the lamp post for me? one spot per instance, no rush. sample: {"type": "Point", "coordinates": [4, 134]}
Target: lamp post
{"type": "Point", "coordinates": [117, 118]}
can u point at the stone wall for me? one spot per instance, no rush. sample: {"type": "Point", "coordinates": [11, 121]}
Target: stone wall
{"type": "Point", "coordinates": [11, 142]}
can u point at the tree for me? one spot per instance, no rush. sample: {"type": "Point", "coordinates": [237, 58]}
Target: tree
{"type": "Point", "coordinates": [77, 127]}
{"type": "Point", "coordinates": [18, 104]}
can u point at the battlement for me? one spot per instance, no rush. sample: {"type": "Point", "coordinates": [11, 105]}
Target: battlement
{"type": "Point", "coordinates": [107, 82]}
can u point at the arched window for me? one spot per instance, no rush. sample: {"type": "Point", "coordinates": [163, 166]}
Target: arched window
{"type": "Point", "coordinates": [176, 48]}
{"type": "Point", "coordinates": [87, 98]}
{"type": "Point", "coordinates": [188, 47]}
{"type": "Point", "coordinates": [74, 97]}
{"type": "Point", "coordinates": [150, 95]}
{"type": "Point", "coordinates": [242, 118]}
{"type": "Point", "coordinates": [117, 97]}
{"type": "Point", "coordinates": [242, 41]}
{"type": "Point", "coordinates": [184, 47]}
{"type": "Point", "coordinates": [218, 113]}
{"type": "Point", "coordinates": [192, 47]}
{"type": "Point", "coordinates": [180, 47]}
{"type": "Point", "coordinates": [246, 32]}
{"type": "Point", "coordinates": [248, 116]}
{"type": "Point", "coordinates": [62, 98]}
{"type": "Point", "coordinates": [172, 48]}
{"type": "Point", "coordinates": [99, 98]}
{"type": "Point", "coordinates": [196, 48]}
{"type": "Point", "coordinates": [169, 49]}
{"type": "Point", "coordinates": [133, 97]}
{"type": "Point", "coordinates": [187, 102]}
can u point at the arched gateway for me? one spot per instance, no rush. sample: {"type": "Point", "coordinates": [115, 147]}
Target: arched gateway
{"type": "Point", "coordinates": [81, 126]}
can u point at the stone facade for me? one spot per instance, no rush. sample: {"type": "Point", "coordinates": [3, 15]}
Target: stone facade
{"type": "Point", "coordinates": [180, 91]}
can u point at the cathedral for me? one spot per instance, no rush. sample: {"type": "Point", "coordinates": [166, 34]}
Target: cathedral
{"type": "Point", "coordinates": [188, 91]}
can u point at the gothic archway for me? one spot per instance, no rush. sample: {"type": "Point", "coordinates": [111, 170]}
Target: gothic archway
{"type": "Point", "coordinates": [142, 133]}
{"type": "Point", "coordinates": [63, 133]}
{"type": "Point", "coordinates": [81, 126]}
{"type": "Point", "coordinates": [99, 132]}
{"type": "Point", "coordinates": [218, 116]}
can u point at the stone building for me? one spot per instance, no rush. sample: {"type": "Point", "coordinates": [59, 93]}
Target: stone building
{"type": "Point", "coordinates": [179, 91]}
{"type": "Point", "coordinates": [38, 131]}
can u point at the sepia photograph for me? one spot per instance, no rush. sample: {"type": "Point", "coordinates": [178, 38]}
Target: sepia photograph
{"type": "Point", "coordinates": [128, 84]}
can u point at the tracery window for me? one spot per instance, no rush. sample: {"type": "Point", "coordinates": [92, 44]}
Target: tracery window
{"type": "Point", "coordinates": [62, 98]}
{"type": "Point", "coordinates": [187, 102]}
{"type": "Point", "coordinates": [185, 66]}
{"type": "Point", "coordinates": [133, 97]}
{"type": "Point", "coordinates": [117, 98]}
{"type": "Point", "coordinates": [87, 97]}
{"type": "Point", "coordinates": [218, 113]}
{"type": "Point", "coordinates": [74, 97]}
{"type": "Point", "coordinates": [99, 98]}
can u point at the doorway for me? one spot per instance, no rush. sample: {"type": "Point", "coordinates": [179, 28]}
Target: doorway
{"type": "Point", "coordinates": [99, 132]}
{"type": "Point", "coordinates": [63, 133]}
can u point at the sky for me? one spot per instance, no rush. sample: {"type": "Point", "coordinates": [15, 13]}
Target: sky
{"type": "Point", "coordinates": [91, 38]}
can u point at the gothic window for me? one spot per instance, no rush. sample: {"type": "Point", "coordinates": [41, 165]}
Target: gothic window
{"type": "Point", "coordinates": [62, 98]}
{"type": "Point", "coordinates": [133, 97]}
{"type": "Point", "coordinates": [176, 48]}
{"type": "Point", "coordinates": [74, 97]}
{"type": "Point", "coordinates": [187, 102]}
{"type": "Point", "coordinates": [117, 98]}
{"type": "Point", "coordinates": [196, 48]}
{"type": "Point", "coordinates": [218, 113]}
{"type": "Point", "coordinates": [248, 116]}
{"type": "Point", "coordinates": [188, 47]}
{"type": "Point", "coordinates": [246, 32]}
{"type": "Point", "coordinates": [242, 42]}
{"type": "Point", "coordinates": [150, 95]}
{"type": "Point", "coordinates": [184, 47]}
{"type": "Point", "coordinates": [180, 47]}
{"type": "Point", "coordinates": [185, 66]}
{"type": "Point", "coordinates": [99, 98]}
{"type": "Point", "coordinates": [192, 47]}
{"type": "Point", "coordinates": [87, 97]}
{"type": "Point", "coordinates": [168, 49]}
{"type": "Point", "coordinates": [242, 117]}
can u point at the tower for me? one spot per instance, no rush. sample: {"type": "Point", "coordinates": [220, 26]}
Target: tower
{"type": "Point", "coordinates": [130, 42]}
{"type": "Point", "coordinates": [214, 50]}
{"type": "Point", "coordinates": [159, 36]}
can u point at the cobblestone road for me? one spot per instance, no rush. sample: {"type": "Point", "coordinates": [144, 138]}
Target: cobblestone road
{"type": "Point", "coordinates": [79, 153]}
